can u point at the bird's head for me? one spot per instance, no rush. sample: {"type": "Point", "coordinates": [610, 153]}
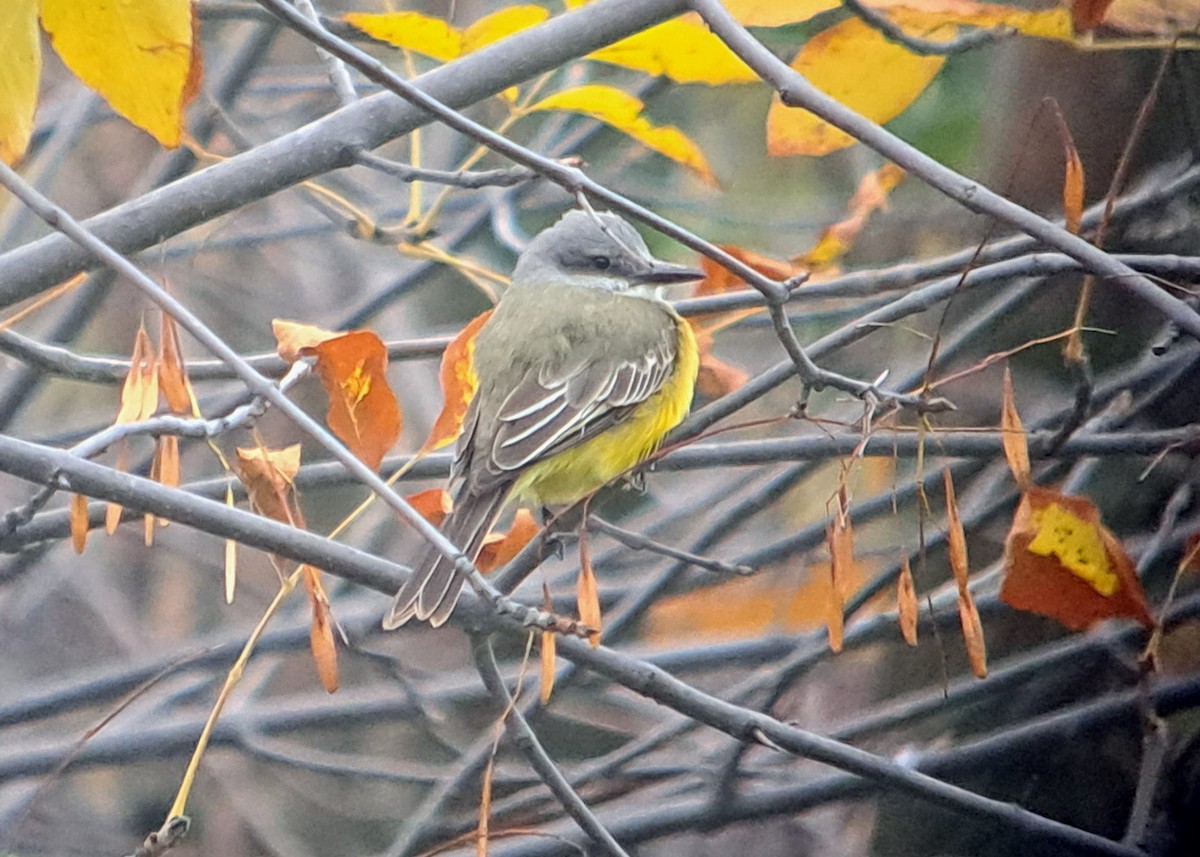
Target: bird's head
{"type": "Point", "coordinates": [598, 251]}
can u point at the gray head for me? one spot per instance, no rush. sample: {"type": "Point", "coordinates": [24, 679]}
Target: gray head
{"type": "Point", "coordinates": [601, 251]}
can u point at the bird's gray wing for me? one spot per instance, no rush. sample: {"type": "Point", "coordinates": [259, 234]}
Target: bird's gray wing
{"type": "Point", "coordinates": [554, 408]}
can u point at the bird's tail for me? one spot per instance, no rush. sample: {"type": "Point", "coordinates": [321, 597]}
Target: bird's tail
{"type": "Point", "coordinates": [433, 590]}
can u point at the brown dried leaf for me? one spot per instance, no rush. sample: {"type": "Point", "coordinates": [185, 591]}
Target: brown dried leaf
{"type": "Point", "coordinates": [956, 541]}
{"type": "Point", "coordinates": [972, 629]}
{"type": "Point", "coordinates": [1012, 432]}
{"type": "Point", "coordinates": [432, 504]}
{"type": "Point", "coordinates": [80, 526]}
{"type": "Point", "coordinates": [321, 631]}
{"type": "Point", "coordinates": [172, 371]}
{"type": "Point", "coordinates": [1073, 177]}
{"type": "Point", "coordinates": [906, 601]}
{"type": "Point", "coordinates": [588, 595]}
{"type": "Point", "coordinates": [268, 475]}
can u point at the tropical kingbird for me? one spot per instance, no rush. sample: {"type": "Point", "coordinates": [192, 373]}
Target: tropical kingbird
{"type": "Point", "coordinates": [582, 370]}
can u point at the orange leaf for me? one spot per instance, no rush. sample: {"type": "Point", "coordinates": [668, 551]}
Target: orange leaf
{"type": "Point", "coordinates": [172, 372]}
{"type": "Point", "coordinates": [268, 475]}
{"type": "Point", "coordinates": [588, 595]}
{"type": "Point", "coordinates": [500, 548]}
{"type": "Point", "coordinates": [1073, 182]}
{"type": "Point", "coordinates": [718, 280]}
{"type": "Point", "coordinates": [458, 380]}
{"type": "Point", "coordinates": [292, 337]}
{"type": "Point", "coordinates": [861, 68]}
{"type": "Point", "coordinates": [871, 196]}
{"type": "Point", "coordinates": [433, 504]}
{"type": "Point", "coordinates": [320, 636]}
{"type": "Point", "coordinates": [363, 411]}
{"type": "Point", "coordinates": [549, 650]}
{"type": "Point", "coordinates": [1012, 431]}
{"type": "Point", "coordinates": [79, 522]}
{"type": "Point", "coordinates": [906, 602]}
{"type": "Point", "coordinates": [1062, 562]}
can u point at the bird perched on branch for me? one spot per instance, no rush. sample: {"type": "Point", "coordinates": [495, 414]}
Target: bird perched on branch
{"type": "Point", "coordinates": [582, 370]}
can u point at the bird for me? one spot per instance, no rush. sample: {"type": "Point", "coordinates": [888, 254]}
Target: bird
{"type": "Point", "coordinates": [582, 370]}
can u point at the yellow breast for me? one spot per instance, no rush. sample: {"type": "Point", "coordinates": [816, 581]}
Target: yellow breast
{"type": "Point", "coordinates": [574, 473]}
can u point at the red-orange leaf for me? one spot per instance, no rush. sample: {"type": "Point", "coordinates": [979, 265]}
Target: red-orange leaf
{"type": "Point", "coordinates": [433, 504]}
{"type": "Point", "coordinates": [457, 376]}
{"type": "Point", "coordinates": [837, 240]}
{"type": "Point", "coordinates": [716, 378]}
{"type": "Point", "coordinates": [500, 548]}
{"type": "Point", "coordinates": [1062, 562]}
{"type": "Point", "coordinates": [363, 410]}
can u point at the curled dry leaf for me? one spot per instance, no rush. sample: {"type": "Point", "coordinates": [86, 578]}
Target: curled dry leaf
{"type": "Point", "coordinates": [1061, 561]}
{"type": "Point", "coordinates": [1012, 433]}
{"type": "Point", "coordinates": [459, 382]}
{"type": "Point", "coordinates": [588, 595]}
{"type": "Point", "coordinates": [968, 614]}
{"type": "Point", "coordinates": [139, 400]}
{"type": "Point", "coordinates": [321, 631]}
{"type": "Point", "coordinates": [906, 601]}
{"type": "Point", "coordinates": [172, 372]}
{"type": "Point", "coordinates": [79, 522]}
{"type": "Point", "coordinates": [268, 475]}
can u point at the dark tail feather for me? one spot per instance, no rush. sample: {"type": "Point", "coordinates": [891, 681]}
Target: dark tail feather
{"type": "Point", "coordinates": [433, 590]}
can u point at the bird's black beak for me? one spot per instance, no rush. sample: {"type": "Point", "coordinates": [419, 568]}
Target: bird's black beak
{"type": "Point", "coordinates": [659, 273]}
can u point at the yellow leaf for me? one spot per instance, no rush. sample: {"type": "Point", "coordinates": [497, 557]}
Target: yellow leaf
{"type": "Point", "coordinates": [412, 31]}
{"type": "Point", "coordinates": [623, 111]}
{"type": "Point", "coordinates": [20, 68]}
{"type": "Point", "coordinates": [137, 55]}
{"type": "Point", "coordinates": [682, 49]}
{"type": "Point", "coordinates": [776, 13]}
{"type": "Point", "coordinates": [859, 67]}
{"type": "Point", "coordinates": [1076, 544]}
{"type": "Point", "coordinates": [936, 18]}
{"type": "Point", "coordinates": [501, 24]}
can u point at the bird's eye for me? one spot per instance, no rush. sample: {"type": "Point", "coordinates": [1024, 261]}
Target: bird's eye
{"type": "Point", "coordinates": [601, 263]}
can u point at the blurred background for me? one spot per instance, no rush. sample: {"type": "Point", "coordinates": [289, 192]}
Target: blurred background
{"type": "Point", "coordinates": [113, 659]}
